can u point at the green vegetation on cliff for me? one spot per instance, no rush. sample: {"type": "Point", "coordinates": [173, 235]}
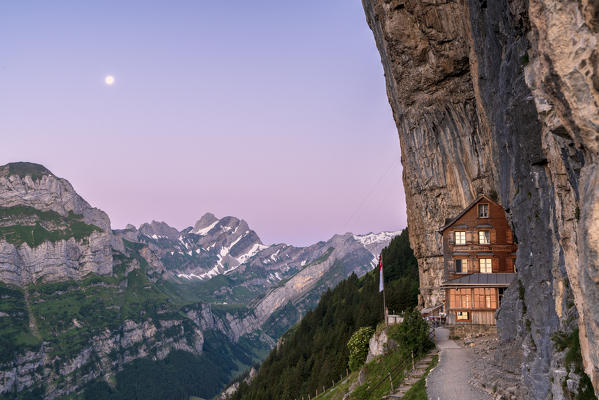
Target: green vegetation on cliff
{"type": "Point", "coordinates": [570, 343]}
{"type": "Point", "coordinates": [23, 224]}
{"type": "Point", "coordinates": [314, 352]}
{"type": "Point", "coordinates": [181, 374]}
{"type": "Point", "coordinates": [374, 380]}
{"type": "Point", "coordinates": [106, 319]}
{"type": "Point", "coordinates": [15, 335]}
{"type": "Point", "coordinates": [69, 313]}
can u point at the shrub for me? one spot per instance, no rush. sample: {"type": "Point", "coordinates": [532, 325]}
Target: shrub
{"type": "Point", "coordinates": [412, 334]}
{"type": "Point", "coordinates": [358, 347]}
{"type": "Point", "coordinates": [570, 342]}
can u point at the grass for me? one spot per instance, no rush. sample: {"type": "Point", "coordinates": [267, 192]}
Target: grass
{"type": "Point", "coordinates": [418, 391]}
{"type": "Point", "coordinates": [23, 224]}
{"type": "Point", "coordinates": [375, 371]}
{"type": "Point", "coordinates": [339, 391]}
{"type": "Point", "coordinates": [15, 335]}
{"type": "Point", "coordinates": [69, 313]}
{"type": "Point", "coordinates": [218, 289]}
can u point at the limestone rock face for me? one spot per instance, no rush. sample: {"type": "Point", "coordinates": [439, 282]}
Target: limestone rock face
{"type": "Point", "coordinates": [501, 97]}
{"type": "Point", "coordinates": [46, 192]}
{"type": "Point", "coordinates": [380, 344]}
{"type": "Point", "coordinates": [134, 340]}
{"type": "Point", "coordinates": [54, 261]}
{"type": "Point", "coordinates": [31, 185]}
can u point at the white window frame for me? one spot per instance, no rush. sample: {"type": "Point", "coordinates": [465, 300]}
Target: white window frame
{"type": "Point", "coordinates": [488, 265]}
{"type": "Point", "coordinates": [487, 237]}
{"type": "Point", "coordinates": [479, 208]}
{"type": "Point", "coordinates": [460, 237]}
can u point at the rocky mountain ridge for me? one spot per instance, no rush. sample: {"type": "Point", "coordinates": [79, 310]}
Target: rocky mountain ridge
{"type": "Point", "coordinates": [219, 246]}
{"type": "Point", "coordinates": [82, 303]}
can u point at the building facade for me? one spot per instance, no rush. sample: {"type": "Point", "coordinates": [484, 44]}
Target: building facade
{"type": "Point", "coordinates": [479, 251]}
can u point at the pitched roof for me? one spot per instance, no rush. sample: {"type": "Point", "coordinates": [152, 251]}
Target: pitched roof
{"type": "Point", "coordinates": [465, 210]}
{"type": "Point", "coordinates": [478, 279]}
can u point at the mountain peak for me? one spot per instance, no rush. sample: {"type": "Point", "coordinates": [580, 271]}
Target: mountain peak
{"type": "Point", "coordinates": [23, 169]}
{"type": "Point", "coordinates": [205, 223]}
{"type": "Point", "coordinates": [159, 228]}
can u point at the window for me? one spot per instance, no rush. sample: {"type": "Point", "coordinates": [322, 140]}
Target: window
{"type": "Point", "coordinates": [483, 211]}
{"type": "Point", "coordinates": [462, 316]}
{"type": "Point", "coordinates": [460, 298]}
{"type": "Point", "coordinates": [460, 237]}
{"type": "Point", "coordinates": [484, 237]}
{"type": "Point", "coordinates": [485, 266]}
{"type": "Point", "coordinates": [461, 266]}
{"type": "Point", "coordinates": [485, 298]}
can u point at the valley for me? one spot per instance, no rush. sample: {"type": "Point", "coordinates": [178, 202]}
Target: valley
{"type": "Point", "coordinates": [88, 311]}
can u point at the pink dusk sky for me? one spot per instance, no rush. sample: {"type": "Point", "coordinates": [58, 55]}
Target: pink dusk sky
{"type": "Point", "coordinates": [270, 111]}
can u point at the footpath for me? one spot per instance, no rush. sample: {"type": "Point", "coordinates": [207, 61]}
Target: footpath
{"type": "Point", "coordinates": [450, 378]}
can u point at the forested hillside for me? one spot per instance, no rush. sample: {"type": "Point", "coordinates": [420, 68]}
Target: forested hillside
{"type": "Point", "coordinates": [315, 352]}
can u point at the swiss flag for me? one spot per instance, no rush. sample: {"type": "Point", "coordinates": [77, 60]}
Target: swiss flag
{"type": "Point", "coordinates": [381, 274]}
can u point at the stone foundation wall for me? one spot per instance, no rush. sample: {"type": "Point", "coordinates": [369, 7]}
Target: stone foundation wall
{"type": "Point", "coordinates": [470, 330]}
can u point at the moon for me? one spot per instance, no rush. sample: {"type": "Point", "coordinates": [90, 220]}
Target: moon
{"type": "Point", "coordinates": [109, 80]}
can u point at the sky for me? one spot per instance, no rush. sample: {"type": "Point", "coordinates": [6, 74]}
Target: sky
{"type": "Point", "coordinates": [271, 111]}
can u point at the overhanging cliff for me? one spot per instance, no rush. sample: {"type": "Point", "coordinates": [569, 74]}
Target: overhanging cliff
{"type": "Point", "coordinates": [501, 97]}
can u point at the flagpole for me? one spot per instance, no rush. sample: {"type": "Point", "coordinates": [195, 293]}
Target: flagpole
{"type": "Point", "coordinates": [382, 288]}
{"type": "Point", "coordinates": [384, 309]}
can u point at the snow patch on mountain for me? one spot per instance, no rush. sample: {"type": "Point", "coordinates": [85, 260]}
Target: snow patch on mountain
{"type": "Point", "coordinates": [205, 230]}
{"type": "Point", "coordinates": [375, 242]}
{"type": "Point", "coordinates": [255, 249]}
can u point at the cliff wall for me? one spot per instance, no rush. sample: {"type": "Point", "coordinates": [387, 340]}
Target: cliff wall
{"type": "Point", "coordinates": [47, 231]}
{"type": "Point", "coordinates": [501, 97]}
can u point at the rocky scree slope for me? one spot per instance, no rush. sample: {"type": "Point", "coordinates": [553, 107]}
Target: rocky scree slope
{"type": "Point", "coordinates": [502, 97]}
{"type": "Point", "coordinates": [81, 303]}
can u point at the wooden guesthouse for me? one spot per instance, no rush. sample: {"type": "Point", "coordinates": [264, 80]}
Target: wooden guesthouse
{"type": "Point", "coordinates": [479, 254]}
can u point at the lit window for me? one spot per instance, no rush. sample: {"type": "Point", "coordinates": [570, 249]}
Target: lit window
{"type": "Point", "coordinates": [462, 315]}
{"type": "Point", "coordinates": [485, 265]}
{"type": "Point", "coordinates": [484, 237]}
{"type": "Point", "coordinates": [483, 211]}
{"type": "Point", "coordinates": [460, 237]}
{"type": "Point", "coordinates": [460, 298]}
{"type": "Point", "coordinates": [461, 266]}
{"type": "Point", "coordinates": [485, 298]}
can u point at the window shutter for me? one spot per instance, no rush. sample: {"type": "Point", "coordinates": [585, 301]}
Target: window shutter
{"type": "Point", "coordinates": [509, 236]}
{"type": "Point", "coordinates": [495, 264]}
{"type": "Point", "coordinates": [493, 236]}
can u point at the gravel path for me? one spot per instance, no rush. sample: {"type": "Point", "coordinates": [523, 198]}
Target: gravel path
{"type": "Point", "coordinates": [449, 380]}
